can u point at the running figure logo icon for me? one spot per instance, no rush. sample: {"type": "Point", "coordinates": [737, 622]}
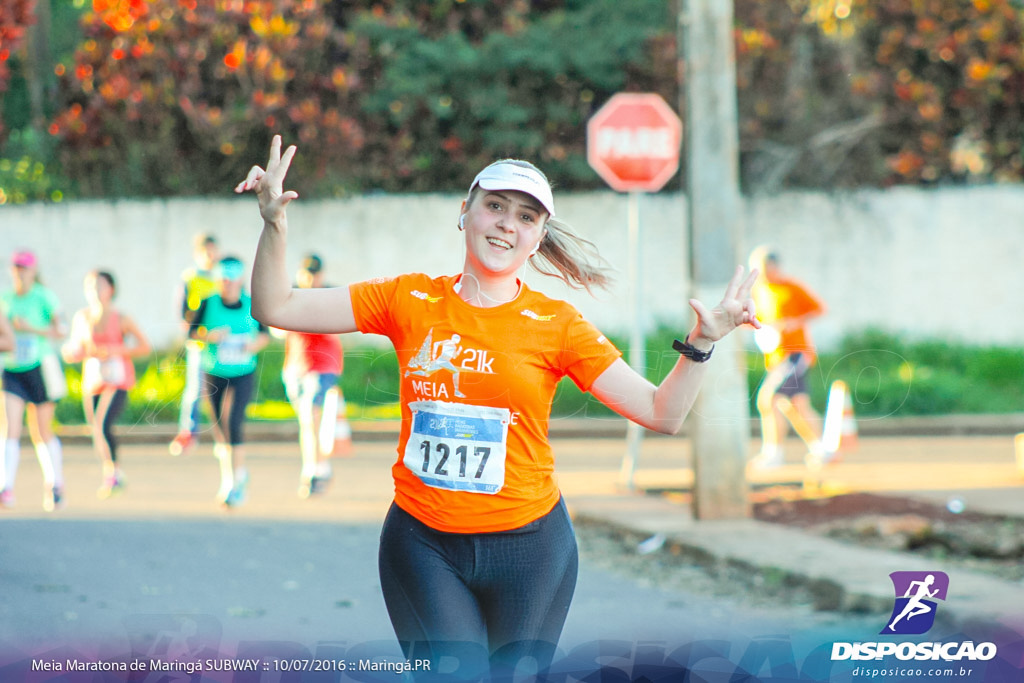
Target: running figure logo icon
{"type": "Point", "coordinates": [434, 356]}
{"type": "Point", "coordinates": [915, 607]}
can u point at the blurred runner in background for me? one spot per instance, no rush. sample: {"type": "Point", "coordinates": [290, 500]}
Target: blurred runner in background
{"type": "Point", "coordinates": [231, 339]}
{"type": "Point", "coordinates": [197, 283]}
{"type": "Point", "coordinates": [312, 367]}
{"type": "Point", "coordinates": [32, 380]}
{"type": "Point", "coordinates": [105, 342]}
{"type": "Point", "coordinates": [785, 306]}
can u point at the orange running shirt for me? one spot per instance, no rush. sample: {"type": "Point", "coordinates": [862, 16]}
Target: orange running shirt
{"type": "Point", "coordinates": [786, 298]}
{"type": "Point", "coordinates": [476, 387]}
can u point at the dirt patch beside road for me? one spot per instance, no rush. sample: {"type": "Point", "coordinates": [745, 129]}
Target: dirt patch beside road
{"type": "Point", "coordinates": [989, 543]}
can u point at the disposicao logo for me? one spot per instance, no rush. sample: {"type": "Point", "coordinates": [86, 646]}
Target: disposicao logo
{"type": "Point", "coordinates": [916, 593]}
{"type": "Point", "coordinates": [913, 614]}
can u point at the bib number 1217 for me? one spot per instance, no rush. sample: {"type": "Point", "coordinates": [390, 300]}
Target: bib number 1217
{"type": "Point", "coordinates": [457, 446]}
{"type": "Point", "coordinates": [439, 454]}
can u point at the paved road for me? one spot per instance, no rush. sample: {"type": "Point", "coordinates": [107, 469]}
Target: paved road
{"type": "Point", "coordinates": [161, 568]}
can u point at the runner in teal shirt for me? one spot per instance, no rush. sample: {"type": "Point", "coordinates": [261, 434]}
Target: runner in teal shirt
{"type": "Point", "coordinates": [34, 315]}
{"type": "Point", "coordinates": [231, 339]}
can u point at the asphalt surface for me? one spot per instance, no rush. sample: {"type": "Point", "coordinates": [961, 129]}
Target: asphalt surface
{"type": "Point", "coordinates": [161, 566]}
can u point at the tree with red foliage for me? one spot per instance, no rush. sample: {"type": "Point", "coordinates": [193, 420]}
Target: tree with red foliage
{"type": "Point", "coordinates": [880, 92]}
{"type": "Point", "coordinates": [15, 18]}
{"type": "Point", "coordinates": [177, 96]}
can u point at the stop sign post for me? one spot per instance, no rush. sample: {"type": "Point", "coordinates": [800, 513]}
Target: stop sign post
{"type": "Point", "coordinates": [633, 143]}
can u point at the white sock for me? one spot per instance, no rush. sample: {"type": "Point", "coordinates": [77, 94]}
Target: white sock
{"type": "Point", "coordinates": [227, 480]}
{"type": "Point", "coordinates": [45, 464]}
{"type": "Point", "coordinates": [12, 454]}
{"type": "Point", "coordinates": [57, 460]}
{"type": "Point", "coordinates": [308, 450]}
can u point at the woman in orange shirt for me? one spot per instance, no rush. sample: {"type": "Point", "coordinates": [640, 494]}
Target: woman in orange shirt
{"type": "Point", "coordinates": [786, 306]}
{"type": "Point", "coordinates": [478, 557]}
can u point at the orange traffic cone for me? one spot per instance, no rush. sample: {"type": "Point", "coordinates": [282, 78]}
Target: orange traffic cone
{"type": "Point", "coordinates": [840, 432]}
{"type": "Point", "coordinates": [342, 438]}
{"type": "Point", "coordinates": [848, 433]}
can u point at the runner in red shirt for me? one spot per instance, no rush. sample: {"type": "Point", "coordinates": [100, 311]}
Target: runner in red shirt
{"type": "Point", "coordinates": [478, 557]}
{"type": "Point", "coordinates": [312, 367]}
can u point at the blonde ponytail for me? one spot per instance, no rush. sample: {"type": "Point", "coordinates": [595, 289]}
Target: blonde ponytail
{"type": "Point", "coordinates": [570, 258]}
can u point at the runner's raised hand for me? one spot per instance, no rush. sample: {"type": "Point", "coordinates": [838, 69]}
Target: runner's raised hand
{"type": "Point", "coordinates": [736, 308]}
{"type": "Point", "coordinates": [269, 184]}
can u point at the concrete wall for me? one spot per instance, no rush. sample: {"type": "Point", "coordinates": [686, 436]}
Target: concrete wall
{"type": "Point", "coordinates": [923, 263]}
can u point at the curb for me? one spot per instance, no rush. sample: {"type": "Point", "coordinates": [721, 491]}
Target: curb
{"type": "Point", "coordinates": [258, 431]}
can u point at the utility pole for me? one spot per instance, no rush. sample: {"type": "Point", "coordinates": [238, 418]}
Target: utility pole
{"type": "Point", "coordinates": [39, 65]}
{"type": "Point", "coordinates": [720, 418]}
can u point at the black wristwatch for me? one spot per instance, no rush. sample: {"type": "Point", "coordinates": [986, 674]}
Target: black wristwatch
{"type": "Point", "coordinates": [692, 352]}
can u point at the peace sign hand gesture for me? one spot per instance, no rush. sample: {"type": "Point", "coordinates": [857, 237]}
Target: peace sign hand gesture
{"type": "Point", "coordinates": [269, 184]}
{"type": "Point", "coordinates": [736, 308]}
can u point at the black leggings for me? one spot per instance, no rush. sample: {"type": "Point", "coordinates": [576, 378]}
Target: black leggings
{"type": "Point", "coordinates": [242, 388]}
{"type": "Point", "coordinates": [502, 596]}
{"type": "Point", "coordinates": [110, 419]}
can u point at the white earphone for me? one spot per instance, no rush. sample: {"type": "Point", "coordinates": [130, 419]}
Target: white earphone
{"type": "Point", "coordinates": [539, 242]}
{"type": "Point", "coordinates": [462, 221]}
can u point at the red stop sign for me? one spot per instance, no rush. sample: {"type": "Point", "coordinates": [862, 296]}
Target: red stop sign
{"type": "Point", "coordinates": [633, 142]}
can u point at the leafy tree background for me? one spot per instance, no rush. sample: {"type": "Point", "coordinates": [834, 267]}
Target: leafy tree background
{"type": "Point", "coordinates": [179, 97]}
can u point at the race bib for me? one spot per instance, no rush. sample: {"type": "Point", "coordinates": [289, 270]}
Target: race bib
{"type": "Point", "coordinates": [231, 351]}
{"type": "Point", "coordinates": [458, 447]}
{"type": "Point", "coordinates": [24, 349]}
{"type": "Point", "coordinates": [109, 371]}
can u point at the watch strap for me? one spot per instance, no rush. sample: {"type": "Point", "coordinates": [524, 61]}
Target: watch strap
{"type": "Point", "coordinates": [687, 349]}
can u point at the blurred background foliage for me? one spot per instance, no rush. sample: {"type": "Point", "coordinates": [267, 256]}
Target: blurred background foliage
{"type": "Point", "coordinates": [127, 98]}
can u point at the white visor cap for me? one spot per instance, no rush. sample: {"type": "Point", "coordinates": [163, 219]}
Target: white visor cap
{"type": "Point", "coordinates": [508, 176]}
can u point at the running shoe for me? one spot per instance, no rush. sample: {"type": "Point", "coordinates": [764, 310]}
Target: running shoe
{"type": "Point", "coordinates": [813, 459]}
{"type": "Point", "coordinates": [238, 492]}
{"type": "Point", "coordinates": [53, 499]}
{"type": "Point", "coordinates": [111, 486]}
{"type": "Point", "coordinates": [767, 461]}
{"type": "Point", "coordinates": [182, 443]}
{"type": "Point", "coordinates": [314, 486]}
{"type": "Point", "coordinates": [7, 498]}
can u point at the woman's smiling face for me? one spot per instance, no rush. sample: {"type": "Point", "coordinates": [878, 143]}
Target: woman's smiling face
{"type": "Point", "coordinates": [502, 229]}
